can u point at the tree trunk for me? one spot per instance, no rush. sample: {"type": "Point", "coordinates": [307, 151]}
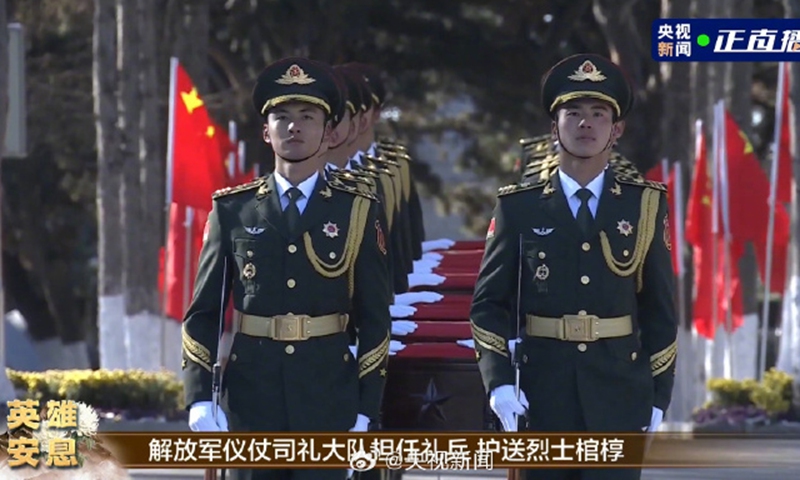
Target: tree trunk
{"type": "Point", "coordinates": [111, 305]}
{"type": "Point", "coordinates": [147, 329]}
{"type": "Point", "coordinates": [677, 134]}
{"type": "Point", "coordinates": [129, 112]}
{"type": "Point", "coordinates": [6, 389]}
{"type": "Point", "coordinates": [790, 344]}
{"type": "Point", "coordinates": [192, 26]}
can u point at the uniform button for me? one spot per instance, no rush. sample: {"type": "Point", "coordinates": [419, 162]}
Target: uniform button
{"type": "Point", "coordinates": [582, 312]}
{"type": "Point", "coordinates": [233, 357]}
{"type": "Point", "coordinates": [250, 254]}
{"type": "Point", "coordinates": [633, 356]}
{"type": "Point", "coordinates": [332, 255]}
{"type": "Point", "coordinates": [542, 254]}
{"type": "Point", "coordinates": [292, 248]}
{"type": "Point", "coordinates": [289, 349]}
{"type": "Point", "coordinates": [586, 247]}
{"type": "Point", "coordinates": [524, 359]}
{"type": "Point", "coordinates": [346, 357]}
{"type": "Point", "coordinates": [291, 283]}
{"type": "Point", "coordinates": [581, 347]}
{"type": "Point", "coordinates": [585, 279]}
{"type": "Point", "coordinates": [625, 253]}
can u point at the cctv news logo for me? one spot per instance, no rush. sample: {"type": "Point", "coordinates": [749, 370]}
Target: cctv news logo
{"type": "Point", "coordinates": [726, 40]}
{"type": "Point", "coordinates": [758, 41]}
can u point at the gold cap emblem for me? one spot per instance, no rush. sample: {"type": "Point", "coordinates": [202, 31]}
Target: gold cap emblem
{"type": "Point", "coordinates": [587, 71]}
{"type": "Point", "coordinates": [295, 74]}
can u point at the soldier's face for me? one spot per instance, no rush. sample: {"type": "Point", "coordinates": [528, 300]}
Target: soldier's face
{"type": "Point", "coordinates": [586, 127]}
{"type": "Point", "coordinates": [297, 130]}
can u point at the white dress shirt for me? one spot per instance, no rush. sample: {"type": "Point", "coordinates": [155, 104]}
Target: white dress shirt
{"type": "Point", "coordinates": [571, 187]}
{"type": "Point", "coordinates": [306, 187]}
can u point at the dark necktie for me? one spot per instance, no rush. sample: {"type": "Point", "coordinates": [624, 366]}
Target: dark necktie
{"type": "Point", "coordinates": [584, 217]}
{"type": "Point", "coordinates": [292, 212]}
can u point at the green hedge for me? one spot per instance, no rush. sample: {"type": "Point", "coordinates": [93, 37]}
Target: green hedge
{"type": "Point", "coordinates": [105, 390]}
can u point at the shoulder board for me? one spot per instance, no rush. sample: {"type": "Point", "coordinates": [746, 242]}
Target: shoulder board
{"type": "Point", "coordinates": [223, 192]}
{"type": "Point", "coordinates": [353, 176]}
{"type": "Point", "coordinates": [363, 171]}
{"type": "Point", "coordinates": [397, 154]}
{"type": "Point", "coordinates": [349, 187]}
{"type": "Point", "coordinates": [383, 160]}
{"type": "Point", "coordinates": [378, 170]}
{"type": "Point", "coordinates": [641, 182]}
{"type": "Point", "coordinates": [518, 187]}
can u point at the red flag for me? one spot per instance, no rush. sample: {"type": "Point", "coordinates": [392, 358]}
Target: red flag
{"type": "Point", "coordinates": [198, 167]}
{"type": "Point", "coordinates": [657, 174]}
{"type": "Point", "coordinates": [749, 191]}
{"type": "Point", "coordinates": [180, 286]}
{"type": "Point", "coordinates": [710, 282]}
{"type": "Point", "coordinates": [786, 141]}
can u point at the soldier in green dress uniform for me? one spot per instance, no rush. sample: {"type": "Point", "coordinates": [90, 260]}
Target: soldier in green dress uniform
{"type": "Point", "coordinates": [598, 324]}
{"type": "Point", "coordinates": [300, 251]}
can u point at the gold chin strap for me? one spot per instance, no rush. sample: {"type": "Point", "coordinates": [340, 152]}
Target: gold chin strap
{"type": "Point", "coordinates": [355, 234]}
{"type": "Point", "coordinates": [644, 237]}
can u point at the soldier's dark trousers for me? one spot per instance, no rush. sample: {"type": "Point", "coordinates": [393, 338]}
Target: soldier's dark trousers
{"type": "Point", "coordinates": [568, 396]}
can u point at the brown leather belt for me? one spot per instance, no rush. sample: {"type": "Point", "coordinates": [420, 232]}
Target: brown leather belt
{"type": "Point", "coordinates": [578, 328]}
{"type": "Point", "coordinates": [290, 328]}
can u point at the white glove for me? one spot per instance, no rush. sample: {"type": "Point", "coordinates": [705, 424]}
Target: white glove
{"type": "Point", "coordinates": [655, 419]}
{"type": "Point", "coordinates": [438, 244]}
{"type": "Point", "coordinates": [425, 266]}
{"type": "Point", "coordinates": [395, 346]}
{"type": "Point", "coordinates": [417, 279]}
{"type": "Point", "coordinates": [362, 424]}
{"type": "Point", "coordinates": [201, 418]}
{"type": "Point", "coordinates": [403, 327]}
{"type": "Point", "coordinates": [410, 298]}
{"type": "Point", "coordinates": [506, 406]}
{"type": "Point", "coordinates": [432, 256]}
{"type": "Point", "coordinates": [401, 311]}
{"type": "Point", "coordinates": [354, 350]}
{"type": "Point", "coordinates": [470, 343]}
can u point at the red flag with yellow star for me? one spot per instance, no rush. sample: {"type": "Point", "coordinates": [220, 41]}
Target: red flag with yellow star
{"type": "Point", "coordinates": [749, 205]}
{"type": "Point", "coordinates": [197, 156]}
{"type": "Point", "coordinates": [711, 299]}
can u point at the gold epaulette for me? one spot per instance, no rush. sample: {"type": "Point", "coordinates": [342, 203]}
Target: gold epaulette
{"type": "Point", "coordinates": [402, 155]}
{"type": "Point", "coordinates": [371, 167]}
{"type": "Point", "coordinates": [223, 192]}
{"type": "Point", "coordinates": [518, 187]}
{"type": "Point", "coordinates": [644, 183]}
{"type": "Point", "coordinates": [353, 176]}
{"type": "Point", "coordinates": [382, 160]}
{"type": "Point", "coordinates": [349, 185]}
{"type": "Point", "coordinates": [391, 143]}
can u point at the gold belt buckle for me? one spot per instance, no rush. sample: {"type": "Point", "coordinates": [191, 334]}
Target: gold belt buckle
{"type": "Point", "coordinates": [578, 328]}
{"type": "Point", "coordinates": [289, 328]}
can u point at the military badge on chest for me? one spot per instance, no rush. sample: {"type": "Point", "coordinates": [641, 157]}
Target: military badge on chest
{"type": "Point", "coordinates": [541, 274]}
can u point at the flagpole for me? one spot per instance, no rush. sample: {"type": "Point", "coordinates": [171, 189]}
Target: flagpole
{"type": "Point", "coordinates": [232, 163]}
{"type": "Point", "coordinates": [714, 232]}
{"type": "Point", "coordinates": [240, 153]}
{"type": "Point", "coordinates": [726, 235]}
{"type": "Point", "coordinates": [677, 207]}
{"type": "Point", "coordinates": [773, 187]}
{"type": "Point", "coordinates": [187, 266]}
{"type": "Point", "coordinates": [173, 87]}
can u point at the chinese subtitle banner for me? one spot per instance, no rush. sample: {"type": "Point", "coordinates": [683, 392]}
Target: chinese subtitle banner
{"type": "Point", "coordinates": [726, 40]}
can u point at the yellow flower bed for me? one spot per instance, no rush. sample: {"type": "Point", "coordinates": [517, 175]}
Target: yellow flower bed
{"type": "Point", "coordinates": [110, 390]}
{"type": "Point", "coordinates": [773, 394]}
